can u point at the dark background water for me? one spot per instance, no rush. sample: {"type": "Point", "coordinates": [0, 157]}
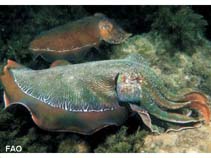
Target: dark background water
{"type": "Point", "coordinates": [135, 18]}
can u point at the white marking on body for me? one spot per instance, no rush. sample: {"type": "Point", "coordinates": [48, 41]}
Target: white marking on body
{"type": "Point", "coordinates": [64, 50]}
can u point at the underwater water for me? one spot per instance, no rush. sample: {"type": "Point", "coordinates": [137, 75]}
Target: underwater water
{"type": "Point", "coordinates": [175, 40]}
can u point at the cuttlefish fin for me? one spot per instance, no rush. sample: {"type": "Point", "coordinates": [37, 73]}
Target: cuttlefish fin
{"type": "Point", "coordinates": [13, 65]}
{"type": "Point", "coordinates": [12, 95]}
{"type": "Point", "coordinates": [10, 65]}
{"type": "Point", "coordinates": [7, 101]}
{"type": "Point", "coordinates": [144, 115]}
{"type": "Point", "coordinates": [6, 78]}
{"type": "Point", "coordinates": [60, 63]}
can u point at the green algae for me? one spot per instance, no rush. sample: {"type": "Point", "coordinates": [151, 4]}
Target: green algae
{"type": "Point", "coordinates": [75, 145]}
{"type": "Point", "coordinates": [140, 44]}
{"type": "Point", "coordinates": [179, 27]}
{"type": "Point", "coordinates": [121, 142]}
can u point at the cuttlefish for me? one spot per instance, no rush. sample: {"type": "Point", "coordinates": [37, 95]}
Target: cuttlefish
{"type": "Point", "coordinates": [87, 97]}
{"type": "Point", "coordinates": [73, 40]}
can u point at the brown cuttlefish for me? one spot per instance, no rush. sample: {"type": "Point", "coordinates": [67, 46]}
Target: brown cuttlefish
{"type": "Point", "coordinates": [73, 40]}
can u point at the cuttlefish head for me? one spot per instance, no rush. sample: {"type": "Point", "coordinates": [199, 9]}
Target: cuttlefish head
{"type": "Point", "coordinates": [111, 32]}
{"type": "Point", "coordinates": [129, 87]}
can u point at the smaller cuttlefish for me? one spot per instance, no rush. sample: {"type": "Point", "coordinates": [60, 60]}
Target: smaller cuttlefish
{"type": "Point", "coordinates": [85, 98]}
{"type": "Point", "coordinates": [73, 40]}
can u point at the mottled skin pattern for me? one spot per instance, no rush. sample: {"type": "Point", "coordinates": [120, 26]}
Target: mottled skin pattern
{"type": "Point", "coordinates": [73, 40]}
{"type": "Point", "coordinates": [86, 97]}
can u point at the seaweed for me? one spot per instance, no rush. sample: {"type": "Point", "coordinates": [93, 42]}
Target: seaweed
{"type": "Point", "coordinates": [179, 28]}
{"type": "Point", "coordinates": [122, 142]}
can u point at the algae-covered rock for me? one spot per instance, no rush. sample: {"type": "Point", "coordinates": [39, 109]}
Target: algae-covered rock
{"type": "Point", "coordinates": [72, 145]}
{"type": "Point", "coordinates": [192, 140]}
{"type": "Point", "coordinates": [122, 142]}
{"type": "Point", "coordinates": [137, 44]}
{"type": "Point", "coordinates": [179, 27]}
{"type": "Point", "coordinates": [202, 68]}
{"type": "Point", "coordinates": [178, 71]}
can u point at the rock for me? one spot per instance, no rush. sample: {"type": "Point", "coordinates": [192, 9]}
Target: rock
{"type": "Point", "coordinates": [137, 44]}
{"type": "Point", "coordinates": [187, 141]}
{"type": "Point", "coordinates": [202, 68]}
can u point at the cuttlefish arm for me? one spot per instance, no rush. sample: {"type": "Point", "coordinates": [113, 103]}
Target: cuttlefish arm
{"type": "Point", "coordinates": [169, 98]}
{"type": "Point", "coordinates": [193, 100]}
{"type": "Point", "coordinates": [179, 98]}
{"type": "Point", "coordinates": [132, 88]}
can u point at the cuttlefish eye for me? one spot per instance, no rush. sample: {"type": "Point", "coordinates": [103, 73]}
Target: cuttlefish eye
{"type": "Point", "coordinates": [132, 78]}
{"type": "Point", "coordinates": [105, 26]}
{"type": "Point", "coordinates": [139, 79]}
{"type": "Point", "coordinates": [112, 33]}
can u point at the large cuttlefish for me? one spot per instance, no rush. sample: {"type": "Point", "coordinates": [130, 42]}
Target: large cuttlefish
{"type": "Point", "coordinates": [73, 40]}
{"type": "Point", "coordinates": [87, 97]}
